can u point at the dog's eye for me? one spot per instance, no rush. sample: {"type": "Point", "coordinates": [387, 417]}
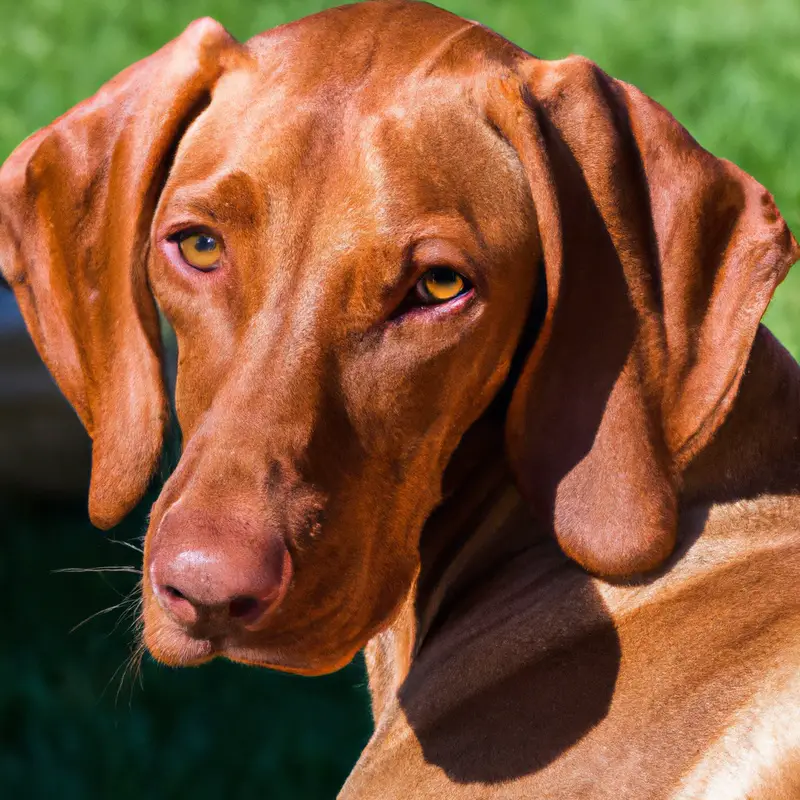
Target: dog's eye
{"type": "Point", "coordinates": [440, 284]}
{"type": "Point", "coordinates": [200, 250]}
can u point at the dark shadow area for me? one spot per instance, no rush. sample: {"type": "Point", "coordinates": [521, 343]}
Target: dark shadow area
{"type": "Point", "coordinates": [521, 667]}
{"type": "Point", "coordinates": [488, 701]}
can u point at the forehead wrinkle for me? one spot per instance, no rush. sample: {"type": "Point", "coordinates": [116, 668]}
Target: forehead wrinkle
{"type": "Point", "coordinates": [227, 196]}
{"type": "Point", "coordinates": [440, 54]}
{"type": "Point", "coordinates": [269, 184]}
{"type": "Point", "coordinates": [251, 128]}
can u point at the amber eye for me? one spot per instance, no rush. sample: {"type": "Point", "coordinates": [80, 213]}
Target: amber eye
{"type": "Point", "coordinates": [200, 250]}
{"type": "Point", "coordinates": [440, 284]}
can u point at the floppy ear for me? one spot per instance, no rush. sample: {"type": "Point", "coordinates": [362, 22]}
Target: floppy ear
{"type": "Point", "coordinates": [76, 204]}
{"type": "Point", "coordinates": [660, 260]}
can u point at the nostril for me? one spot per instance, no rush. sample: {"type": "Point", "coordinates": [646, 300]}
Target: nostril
{"type": "Point", "coordinates": [244, 608]}
{"type": "Point", "coordinates": [177, 604]}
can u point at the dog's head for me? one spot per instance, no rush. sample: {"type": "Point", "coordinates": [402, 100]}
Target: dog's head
{"type": "Point", "coordinates": [345, 221]}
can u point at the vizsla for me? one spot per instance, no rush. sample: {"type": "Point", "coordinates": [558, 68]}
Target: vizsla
{"type": "Point", "coordinates": [471, 374]}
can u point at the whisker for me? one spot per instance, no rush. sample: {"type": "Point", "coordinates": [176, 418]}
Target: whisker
{"type": "Point", "coordinates": [130, 608]}
{"type": "Point", "coordinates": [97, 614]}
{"type": "Point", "coordinates": [135, 625]}
{"type": "Point", "coordinates": [139, 672]}
{"type": "Point", "coordinates": [131, 569]}
{"type": "Point", "coordinates": [116, 672]}
{"type": "Point", "coordinates": [135, 652]}
{"type": "Point", "coordinates": [107, 581]}
{"type": "Point", "coordinates": [131, 665]}
{"type": "Point", "coordinates": [132, 605]}
{"type": "Point", "coordinates": [134, 612]}
{"type": "Point", "coordinates": [132, 546]}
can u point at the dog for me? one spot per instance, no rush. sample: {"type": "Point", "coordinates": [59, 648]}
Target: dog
{"type": "Point", "coordinates": [471, 375]}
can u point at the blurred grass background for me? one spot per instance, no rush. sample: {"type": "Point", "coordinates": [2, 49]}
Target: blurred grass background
{"type": "Point", "coordinates": [728, 69]}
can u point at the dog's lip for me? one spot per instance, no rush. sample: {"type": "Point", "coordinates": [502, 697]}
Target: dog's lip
{"type": "Point", "coordinates": [179, 649]}
{"type": "Point", "coordinates": [199, 650]}
{"type": "Point", "coordinates": [175, 648]}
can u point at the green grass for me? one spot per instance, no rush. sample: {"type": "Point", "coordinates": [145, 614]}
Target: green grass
{"type": "Point", "coordinates": [728, 69]}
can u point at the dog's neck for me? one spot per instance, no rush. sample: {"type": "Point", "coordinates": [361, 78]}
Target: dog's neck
{"type": "Point", "coordinates": [482, 523]}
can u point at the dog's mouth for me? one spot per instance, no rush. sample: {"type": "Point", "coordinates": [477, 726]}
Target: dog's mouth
{"type": "Point", "coordinates": [175, 647]}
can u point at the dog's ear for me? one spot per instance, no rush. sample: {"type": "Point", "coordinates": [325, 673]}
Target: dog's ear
{"type": "Point", "coordinates": [76, 204]}
{"type": "Point", "coordinates": [660, 260]}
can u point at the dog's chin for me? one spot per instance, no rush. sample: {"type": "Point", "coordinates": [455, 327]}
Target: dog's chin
{"type": "Point", "coordinates": [170, 645]}
{"type": "Point", "coordinates": [174, 648]}
{"type": "Point", "coordinates": [285, 662]}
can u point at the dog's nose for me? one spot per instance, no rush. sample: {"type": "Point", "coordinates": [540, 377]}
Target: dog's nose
{"type": "Point", "coordinates": [212, 591]}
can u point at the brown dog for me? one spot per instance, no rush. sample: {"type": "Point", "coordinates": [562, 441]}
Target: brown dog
{"type": "Point", "coordinates": [406, 261]}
